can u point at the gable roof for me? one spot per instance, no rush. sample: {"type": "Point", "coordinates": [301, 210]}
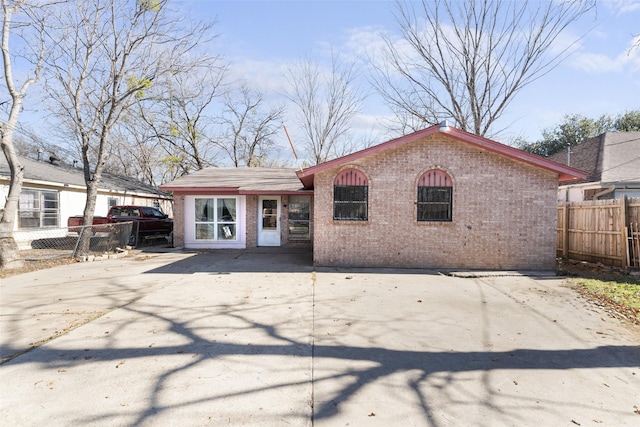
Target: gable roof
{"type": "Point", "coordinates": [565, 173]}
{"type": "Point", "coordinates": [610, 157]}
{"type": "Point", "coordinates": [238, 181]}
{"type": "Point", "coordinates": [63, 175]}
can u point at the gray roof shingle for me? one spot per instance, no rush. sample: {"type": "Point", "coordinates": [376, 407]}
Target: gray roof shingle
{"type": "Point", "coordinates": [610, 157]}
{"type": "Point", "coordinates": [63, 174]}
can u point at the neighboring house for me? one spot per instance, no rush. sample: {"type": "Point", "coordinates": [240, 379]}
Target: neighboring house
{"type": "Point", "coordinates": [437, 198]}
{"type": "Point", "coordinates": [612, 161]}
{"type": "Point", "coordinates": [53, 191]}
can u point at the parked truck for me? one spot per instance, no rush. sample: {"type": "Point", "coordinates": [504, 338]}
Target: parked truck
{"type": "Point", "coordinates": [148, 222]}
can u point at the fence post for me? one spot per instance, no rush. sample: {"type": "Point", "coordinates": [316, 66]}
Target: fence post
{"type": "Point", "coordinates": [565, 231]}
{"type": "Point", "coordinates": [623, 231]}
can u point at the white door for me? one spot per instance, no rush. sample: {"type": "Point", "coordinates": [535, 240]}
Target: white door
{"type": "Point", "coordinates": [269, 221]}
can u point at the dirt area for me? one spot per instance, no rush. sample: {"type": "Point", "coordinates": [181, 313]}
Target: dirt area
{"type": "Point", "coordinates": [37, 264]}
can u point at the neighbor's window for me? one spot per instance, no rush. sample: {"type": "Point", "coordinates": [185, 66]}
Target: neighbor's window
{"type": "Point", "coordinates": [435, 191]}
{"type": "Point", "coordinates": [299, 208]}
{"type": "Point", "coordinates": [39, 208]}
{"type": "Point", "coordinates": [350, 196]}
{"type": "Point", "coordinates": [215, 218]}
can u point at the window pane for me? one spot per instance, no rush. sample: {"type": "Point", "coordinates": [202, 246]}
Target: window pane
{"type": "Point", "coordinates": [205, 232]}
{"type": "Point", "coordinates": [299, 207]}
{"type": "Point", "coordinates": [226, 210]}
{"type": "Point", "coordinates": [270, 204]}
{"type": "Point", "coordinates": [269, 222]}
{"type": "Point", "coordinates": [204, 210]}
{"type": "Point", "coordinates": [350, 202]}
{"type": "Point", "coordinates": [226, 231]}
{"type": "Point", "coordinates": [29, 221]}
{"type": "Point", "coordinates": [434, 203]}
{"type": "Point", "coordinates": [299, 229]}
{"type": "Point", "coordinates": [350, 193]}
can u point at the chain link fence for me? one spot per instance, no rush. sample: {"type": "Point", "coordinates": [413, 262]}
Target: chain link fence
{"type": "Point", "coordinates": [56, 243]}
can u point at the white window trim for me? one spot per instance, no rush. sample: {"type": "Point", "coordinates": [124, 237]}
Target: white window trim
{"type": "Point", "coordinates": [190, 240]}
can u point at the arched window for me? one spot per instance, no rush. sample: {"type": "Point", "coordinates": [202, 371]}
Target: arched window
{"type": "Point", "coordinates": [350, 196]}
{"type": "Point", "coordinates": [435, 195]}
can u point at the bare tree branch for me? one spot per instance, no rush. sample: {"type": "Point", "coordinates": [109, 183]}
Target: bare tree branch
{"type": "Point", "coordinates": [466, 61]}
{"type": "Point", "coordinates": [326, 104]}
{"type": "Point", "coordinates": [247, 129]}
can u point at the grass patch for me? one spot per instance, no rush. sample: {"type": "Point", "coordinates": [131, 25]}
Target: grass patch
{"type": "Point", "coordinates": [622, 294]}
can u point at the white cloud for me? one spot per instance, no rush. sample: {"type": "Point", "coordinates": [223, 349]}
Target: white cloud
{"type": "Point", "coordinates": [598, 63]}
{"type": "Point", "coordinates": [621, 7]}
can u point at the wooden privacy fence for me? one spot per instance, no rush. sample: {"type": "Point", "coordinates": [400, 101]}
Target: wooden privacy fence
{"type": "Point", "coordinates": [605, 231]}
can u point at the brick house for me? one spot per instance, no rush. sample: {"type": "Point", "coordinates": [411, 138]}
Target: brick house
{"type": "Point", "coordinates": [437, 198]}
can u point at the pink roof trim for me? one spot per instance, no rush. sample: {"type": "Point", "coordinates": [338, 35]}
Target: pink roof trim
{"type": "Point", "coordinates": [565, 173]}
{"type": "Point", "coordinates": [351, 177]}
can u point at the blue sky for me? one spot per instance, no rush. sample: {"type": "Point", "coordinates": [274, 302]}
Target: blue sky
{"type": "Point", "coordinates": [260, 39]}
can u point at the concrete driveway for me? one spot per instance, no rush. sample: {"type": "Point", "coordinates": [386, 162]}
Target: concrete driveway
{"type": "Point", "coordinates": [259, 337]}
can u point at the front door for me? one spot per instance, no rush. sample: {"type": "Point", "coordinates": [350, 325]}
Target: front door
{"type": "Point", "coordinates": [269, 221]}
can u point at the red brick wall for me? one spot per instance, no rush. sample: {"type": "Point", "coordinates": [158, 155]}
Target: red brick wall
{"type": "Point", "coordinates": [504, 212]}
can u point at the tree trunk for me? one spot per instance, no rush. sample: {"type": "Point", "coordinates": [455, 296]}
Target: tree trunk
{"type": "Point", "coordinates": [9, 254]}
{"type": "Point", "coordinates": [84, 246]}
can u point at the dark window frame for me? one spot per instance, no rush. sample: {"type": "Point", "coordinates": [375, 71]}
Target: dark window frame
{"type": "Point", "coordinates": [434, 198]}
{"type": "Point", "coordinates": [351, 202]}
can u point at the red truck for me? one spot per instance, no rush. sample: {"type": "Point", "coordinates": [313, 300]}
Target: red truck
{"type": "Point", "coordinates": [148, 222]}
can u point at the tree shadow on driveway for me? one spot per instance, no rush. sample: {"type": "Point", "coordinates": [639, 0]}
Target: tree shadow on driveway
{"type": "Point", "coordinates": [176, 346]}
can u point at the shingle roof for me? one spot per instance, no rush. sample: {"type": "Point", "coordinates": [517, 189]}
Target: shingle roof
{"type": "Point", "coordinates": [66, 175]}
{"type": "Point", "coordinates": [621, 160]}
{"type": "Point", "coordinates": [610, 157]}
{"type": "Point", "coordinates": [238, 180]}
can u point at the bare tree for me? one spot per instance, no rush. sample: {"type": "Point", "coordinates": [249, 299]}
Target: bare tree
{"type": "Point", "coordinates": [466, 60]}
{"type": "Point", "coordinates": [109, 54]}
{"type": "Point", "coordinates": [326, 102]}
{"type": "Point", "coordinates": [135, 152]}
{"type": "Point", "coordinates": [247, 129]}
{"type": "Point", "coordinates": [32, 21]}
{"type": "Point", "coordinates": [180, 118]}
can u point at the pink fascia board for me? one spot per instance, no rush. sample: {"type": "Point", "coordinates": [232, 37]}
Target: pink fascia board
{"type": "Point", "coordinates": [565, 173]}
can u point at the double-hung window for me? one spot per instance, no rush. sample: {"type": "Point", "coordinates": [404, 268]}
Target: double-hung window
{"type": "Point", "coordinates": [435, 196]}
{"type": "Point", "coordinates": [216, 218]}
{"type": "Point", "coordinates": [39, 208]}
{"type": "Point", "coordinates": [350, 196]}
